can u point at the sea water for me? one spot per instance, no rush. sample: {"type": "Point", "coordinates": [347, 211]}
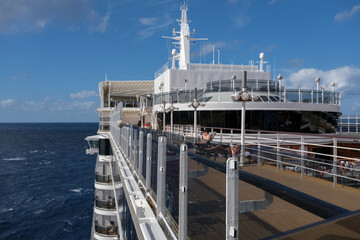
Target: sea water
{"type": "Point", "coordinates": [46, 181]}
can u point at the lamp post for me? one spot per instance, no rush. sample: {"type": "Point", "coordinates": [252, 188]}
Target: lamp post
{"type": "Point", "coordinates": [172, 109]}
{"type": "Point", "coordinates": [195, 104]}
{"type": "Point", "coordinates": [164, 112]}
{"type": "Point", "coordinates": [244, 96]}
{"type": "Point", "coordinates": [332, 93]}
{"type": "Point", "coordinates": [185, 81]}
{"type": "Point", "coordinates": [317, 80]}
{"type": "Point", "coordinates": [280, 77]}
{"type": "Point", "coordinates": [161, 98]}
{"type": "Point", "coordinates": [322, 94]}
{"type": "Point", "coordinates": [233, 78]}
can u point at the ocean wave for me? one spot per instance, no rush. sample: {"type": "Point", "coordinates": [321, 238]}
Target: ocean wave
{"type": "Point", "coordinates": [3, 210]}
{"type": "Point", "coordinates": [39, 211]}
{"type": "Point", "coordinates": [35, 151]}
{"type": "Point", "coordinates": [45, 163]}
{"type": "Point", "coordinates": [14, 159]}
{"type": "Point", "coordinates": [76, 190]}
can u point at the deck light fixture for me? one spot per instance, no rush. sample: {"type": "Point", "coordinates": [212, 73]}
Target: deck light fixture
{"type": "Point", "coordinates": [195, 104]}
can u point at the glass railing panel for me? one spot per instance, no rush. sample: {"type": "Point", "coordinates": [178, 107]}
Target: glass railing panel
{"type": "Point", "coordinates": [206, 194]}
{"type": "Point", "coordinates": [306, 96]}
{"type": "Point", "coordinates": [154, 160]}
{"type": "Point", "coordinates": [292, 95]}
{"type": "Point", "coordinates": [172, 177]}
{"type": "Point", "coordinates": [109, 204]}
{"type": "Point", "coordinates": [110, 230]}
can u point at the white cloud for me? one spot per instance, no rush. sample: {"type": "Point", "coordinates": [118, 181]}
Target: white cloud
{"type": "Point", "coordinates": [344, 15]}
{"type": "Point", "coordinates": [346, 79]}
{"type": "Point", "coordinates": [153, 28]}
{"type": "Point", "coordinates": [208, 47]}
{"type": "Point", "coordinates": [148, 21]}
{"type": "Point", "coordinates": [47, 105]}
{"type": "Point", "coordinates": [73, 106]}
{"type": "Point", "coordinates": [83, 94]}
{"type": "Point", "coordinates": [295, 62]}
{"type": "Point", "coordinates": [269, 48]}
{"type": "Point", "coordinates": [32, 105]}
{"type": "Point", "coordinates": [18, 16]}
{"type": "Point", "coordinates": [240, 21]}
{"type": "Point", "coordinates": [101, 25]}
{"type": "Point", "coordinates": [6, 103]}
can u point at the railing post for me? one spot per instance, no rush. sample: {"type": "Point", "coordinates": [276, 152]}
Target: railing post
{"type": "Point", "coordinates": [232, 199]}
{"type": "Point", "coordinates": [278, 158]}
{"type": "Point", "coordinates": [258, 151]}
{"type": "Point", "coordinates": [148, 161]}
{"type": "Point", "coordinates": [334, 162]}
{"type": "Point", "coordinates": [141, 153]}
{"type": "Point", "coordinates": [221, 135]}
{"type": "Point", "coordinates": [302, 156]}
{"type": "Point", "coordinates": [312, 96]}
{"type": "Point", "coordinates": [136, 150]}
{"type": "Point", "coordinates": [127, 142]}
{"type": "Point", "coordinates": [161, 176]}
{"type": "Point", "coordinates": [130, 146]}
{"type": "Point", "coordinates": [183, 195]}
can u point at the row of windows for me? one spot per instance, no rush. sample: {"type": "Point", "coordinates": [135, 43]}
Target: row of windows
{"type": "Point", "coordinates": [288, 121]}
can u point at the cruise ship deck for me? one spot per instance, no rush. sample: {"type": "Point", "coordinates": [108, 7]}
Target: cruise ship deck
{"type": "Point", "coordinates": [171, 186]}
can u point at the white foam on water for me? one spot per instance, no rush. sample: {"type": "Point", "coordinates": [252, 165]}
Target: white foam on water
{"type": "Point", "coordinates": [35, 151]}
{"type": "Point", "coordinates": [14, 159]}
{"type": "Point", "coordinates": [76, 190]}
{"type": "Point", "coordinates": [37, 212]}
{"type": "Point", "coordinates": [6, 210]}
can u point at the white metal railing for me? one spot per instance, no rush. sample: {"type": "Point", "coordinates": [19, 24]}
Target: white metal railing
{"type": "Point", "coordinates": [268, 92]}
{"type": "Point", "coordinates": [222, 67]}
{"type": "Point", "coordinates": [296, 151]}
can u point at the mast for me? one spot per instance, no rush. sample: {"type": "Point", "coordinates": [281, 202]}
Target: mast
{"type": "Point", "coordinates": [182, 41]}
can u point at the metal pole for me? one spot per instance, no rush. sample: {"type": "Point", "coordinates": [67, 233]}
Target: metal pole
{"type": "Point", "coordinates": [171, 121]}
{"type": "Point", "coordinates": [334, 162]}
{"type": "Point", "coordinates": [195, 123]}
{"type": "Point", "coordinates": [242, 155]}
{"type": "Point", "coordinates": [136, 150]}
{"type": "Point", "coordinates": [148, 161]}
{"type": "Point", "coordinates": [232, 199]}
{"type": "Point", "coordinates": [244, 79]}
{"type": "Point", "coordinates": [161, 176]}
{"type": "Point", "coordinates": [302, 156]}
{"type": "Point", "coordinates": [278, 158]}
{"type": "Point", "coordinates": [183, 195]}
{"type": "Point", "coordinates": [258, 150]}
{"type": "Point", "coordinates": [141, 153]}
{"type": "Point", "coordinates": [164, 111]}
{"type": "Point", "coordinates": [317, 92]}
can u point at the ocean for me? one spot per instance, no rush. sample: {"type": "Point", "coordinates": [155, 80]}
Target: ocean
{"type": "Point", "coordinates": [46, 181]}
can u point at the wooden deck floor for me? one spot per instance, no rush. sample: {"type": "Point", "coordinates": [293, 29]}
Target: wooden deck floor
{"type": "Point", "coordinates": [206, 209]}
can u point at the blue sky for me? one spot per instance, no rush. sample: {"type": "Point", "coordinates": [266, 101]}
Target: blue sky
{"type": "Point", "coordinates": [53, 53]}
